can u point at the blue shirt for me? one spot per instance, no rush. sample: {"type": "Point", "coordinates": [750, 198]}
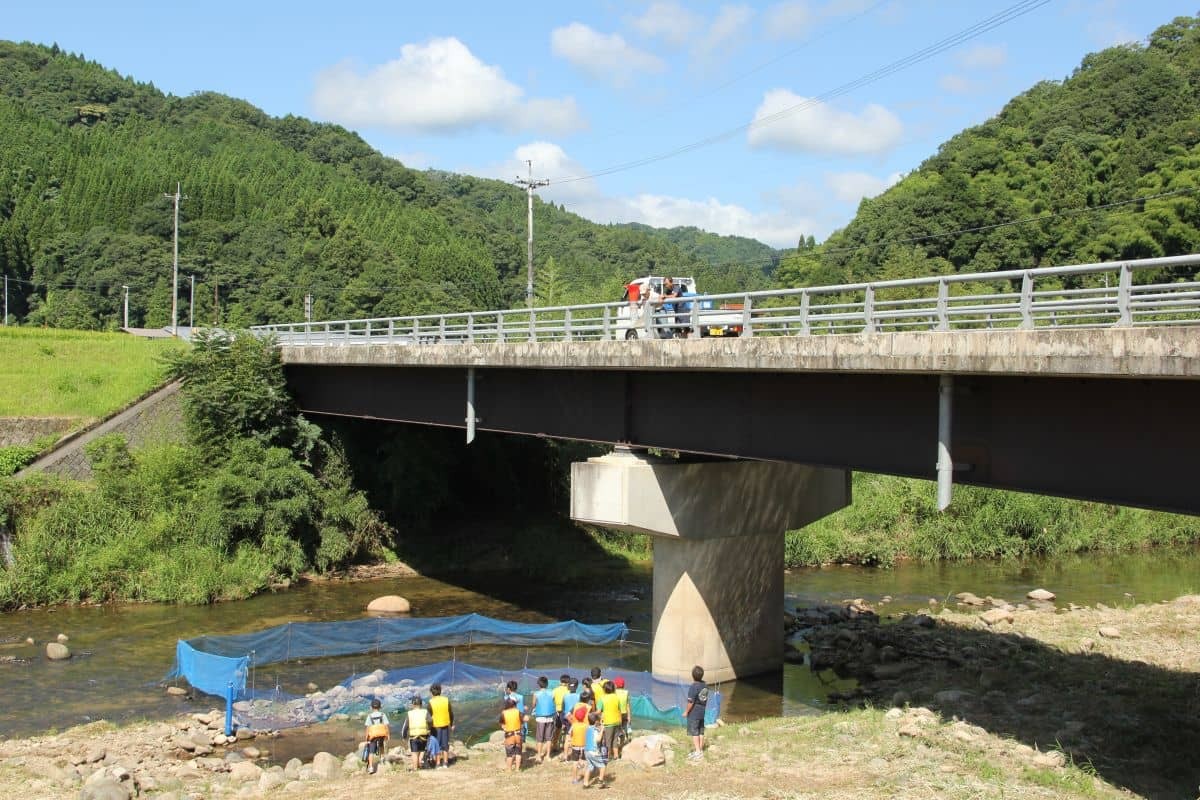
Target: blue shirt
{"type": "Point", "coordinates": [591, 743]}
{"type": "Point", "coordinates": [519, 699]}
{"type": "Point", "coordinates": [543, 703]}
{"type": "Point", "coordinates": [570, 701]}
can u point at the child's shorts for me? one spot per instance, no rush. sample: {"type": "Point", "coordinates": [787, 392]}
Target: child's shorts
{"type": "Point", "coordinates": [595, 760]}
{"type": "Point", "coordinates": [417, 744]}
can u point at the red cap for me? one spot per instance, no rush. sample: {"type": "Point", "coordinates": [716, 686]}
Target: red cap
{"type": "Point", "coordinates": [619, 683]}
{"type": "Point", "coordinates": [581, 714]}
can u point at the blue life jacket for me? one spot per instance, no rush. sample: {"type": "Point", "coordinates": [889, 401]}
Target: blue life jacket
{"type": "Point", "coordinates": [543, 703]}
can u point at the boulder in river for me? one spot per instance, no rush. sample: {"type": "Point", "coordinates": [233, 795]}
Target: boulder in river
{"type": "Point", "coordinates": [996, 615]}
{"type": "Point", "coordinates": [1041, 594]}
{"type": "Point", "coordinates": [57, 652]}
{"type": "Point", "coordinates": [389, 604]}
{"type": "Point", "coordinates": [62, 638]}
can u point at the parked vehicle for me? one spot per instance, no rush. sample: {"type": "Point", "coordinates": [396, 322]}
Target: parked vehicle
{"type": "Point", "coordinates": [649, 314]}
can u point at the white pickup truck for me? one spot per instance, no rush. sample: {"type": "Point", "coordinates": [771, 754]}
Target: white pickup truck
{"type": "Point", "coordinates": [649, 314]}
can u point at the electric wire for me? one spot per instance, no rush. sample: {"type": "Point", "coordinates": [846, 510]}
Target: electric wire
{"type": "Point", "coordinates": [971, 32]}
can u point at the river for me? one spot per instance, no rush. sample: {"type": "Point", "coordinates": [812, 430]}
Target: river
{"type": "Point", "coordinates": [121, 652]}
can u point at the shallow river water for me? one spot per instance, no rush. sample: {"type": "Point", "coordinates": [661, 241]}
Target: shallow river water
{"type": "Point", "coordinates": [121, 652]}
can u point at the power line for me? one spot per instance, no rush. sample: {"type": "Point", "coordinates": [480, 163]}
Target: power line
{"type": "Point", "coordinates": [978, 29]}
{"type": "Point", "coordinates": [811, 40]}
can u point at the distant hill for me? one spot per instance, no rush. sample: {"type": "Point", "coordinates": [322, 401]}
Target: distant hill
{"type": "Point", "coordinates": [276, 208]}
{"type": "Point", "coordinates": [712, 248]}
{"type": "Point", "coordinates": [1124, 125]}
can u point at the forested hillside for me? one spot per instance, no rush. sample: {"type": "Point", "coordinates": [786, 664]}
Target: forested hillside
{"type": "Point", "coordinates": [1069, 156]}
{"type": "Point", "coordinates": [276, 208]}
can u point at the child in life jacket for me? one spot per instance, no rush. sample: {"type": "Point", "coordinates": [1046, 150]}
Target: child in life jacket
{"type": "Point", "coordinates": [578, 741]}
{"type": "Point", "coordinates": [442, 714]}
{"type": "Point", "coordinates": [512, 723]}
{"type": "Point", "coordinates": [378, 731]}
{"type": "Point", "coordinates": [417, 725]}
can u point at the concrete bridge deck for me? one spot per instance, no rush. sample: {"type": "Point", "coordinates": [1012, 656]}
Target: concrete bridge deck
{"type": "Point", "coordinates": [1150, 352]}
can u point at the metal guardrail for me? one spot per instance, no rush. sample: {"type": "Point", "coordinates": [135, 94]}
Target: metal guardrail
{"type": "Point", "coordinates": [1083, 295]}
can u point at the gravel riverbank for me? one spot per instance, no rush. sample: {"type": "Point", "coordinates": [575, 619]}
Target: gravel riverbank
{"type": "Point", "coordinates": [1037, 704]}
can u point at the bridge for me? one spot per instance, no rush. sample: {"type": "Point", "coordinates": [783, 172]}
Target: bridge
{"type": "Point", "coordinates": [1078, 381]}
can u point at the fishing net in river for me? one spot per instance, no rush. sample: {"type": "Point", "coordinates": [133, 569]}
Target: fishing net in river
{"type": "Point", "coordinates": [221, 665]}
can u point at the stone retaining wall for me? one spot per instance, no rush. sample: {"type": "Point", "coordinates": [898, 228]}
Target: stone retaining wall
{"type": "Point", "coordinates": [27, 430]}
{"type": "Point", "coordinates": [157, 418]}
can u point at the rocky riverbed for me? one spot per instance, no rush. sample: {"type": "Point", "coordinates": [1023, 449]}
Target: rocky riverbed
{"type": "Point", "coordinates": [1116, 690]}
{"type": "Point", "coordinates": [1038, 704]}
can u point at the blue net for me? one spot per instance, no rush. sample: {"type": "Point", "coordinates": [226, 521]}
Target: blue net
{"type": "Point", "coordinates": [476, 691]}
{"type": "Point", "coordinates": [215, 664]}
{"type": "Point", "coordinates": [220, 665]}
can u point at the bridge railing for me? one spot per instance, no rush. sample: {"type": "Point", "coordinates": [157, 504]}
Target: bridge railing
{"type": "Point", "coordinates": [1152, 291]}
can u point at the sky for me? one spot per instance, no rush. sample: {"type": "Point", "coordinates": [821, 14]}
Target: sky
{"type": "Point", "coordinates": [762, 119]}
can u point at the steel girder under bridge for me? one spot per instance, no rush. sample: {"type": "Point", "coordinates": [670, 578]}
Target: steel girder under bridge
{"type": "Point", "coordinates": [1122, 440]}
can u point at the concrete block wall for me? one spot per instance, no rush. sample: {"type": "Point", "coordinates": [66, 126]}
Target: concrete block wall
{"type": "Point", "coordinates": [27, 430]}
{"type": "Point", "coordinates": [155, 419]}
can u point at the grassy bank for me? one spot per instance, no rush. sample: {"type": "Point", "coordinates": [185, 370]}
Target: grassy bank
{"type": "Point", "coordinates": [65, 373]}
{"type": "Point", "coordinates": [892, 519]}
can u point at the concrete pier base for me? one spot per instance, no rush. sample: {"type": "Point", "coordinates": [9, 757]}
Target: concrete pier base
{"type": "Point", "coordinates": [718, 603]}
{"type": "Point", "coordinates": [718, 549]}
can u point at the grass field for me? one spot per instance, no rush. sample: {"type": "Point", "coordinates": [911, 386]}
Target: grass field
{"type": "Point", "coordinates": [63, 373]}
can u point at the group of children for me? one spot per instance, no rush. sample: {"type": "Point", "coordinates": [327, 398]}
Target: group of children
{"type": "Point", "coordinates": [426, 729]}
{"type": "Point", "coordinates": [588, 720]}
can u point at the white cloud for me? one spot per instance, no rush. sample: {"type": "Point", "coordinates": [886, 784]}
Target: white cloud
{"type": "Point", "coordinates": [955, 84]}
{"type": "Point", "coordinates": [984, 56]}
{"type": "Point", "coordinates": [851, 187]}
{"type": "Point", "coordinates": [794, 210]}
{"type": "Point", "coordinates": [723, 34]}
{"type": "Point", "coordinates": [788, 20]}
{"type": "Point", "coordinates": [809, 125]}
{"type": "Point", "coordinates": [668, 21]}
{"type": "Point", "coordinates": [606, 57]}
{"type": "Point", "coordinates": [436, 87]}
{"type": "Point", "coordinates": [417, 159]}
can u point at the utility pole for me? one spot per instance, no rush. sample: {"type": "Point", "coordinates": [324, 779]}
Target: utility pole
{"type": "Point", "coordinates": [192, 304]}
{"type": "Point", "coordinates": [175, 263]}
{"type": "Point", "coordinates": [216, 301]}
{"type": "Point", "coordinates": [6, 300]}
{"type": "Point", "coordinates": [530, 184]}
{"type": "Point", "coordinates": [126, 288]}
{"type": "Point", "coordinates": [308, 307]}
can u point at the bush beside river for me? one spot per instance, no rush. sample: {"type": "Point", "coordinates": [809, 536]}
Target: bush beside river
{"type": "Point", "coordinates": [892, 519]}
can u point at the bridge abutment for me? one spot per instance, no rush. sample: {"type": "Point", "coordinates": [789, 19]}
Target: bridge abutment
{"type": "Point", "coordinates": [718, 549]}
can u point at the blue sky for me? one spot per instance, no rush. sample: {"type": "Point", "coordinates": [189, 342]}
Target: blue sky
{"type": "Point", "coordinates": [580, 87]}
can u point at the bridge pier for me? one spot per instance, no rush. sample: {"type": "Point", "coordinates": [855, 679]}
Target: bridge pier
{"type": "Point", "coordinates": [718, 549]}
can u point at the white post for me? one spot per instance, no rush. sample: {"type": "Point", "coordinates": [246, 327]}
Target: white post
{"type": "Point", "coordinates": [192, 304]}
{"type": "Point", "coordinates": [945, 465]}
{"type": "Point", "coordinates": [126, 288]}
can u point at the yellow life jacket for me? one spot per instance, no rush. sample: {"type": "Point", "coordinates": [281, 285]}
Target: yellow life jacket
{"type": "Point", "coordinates": [598, 691]}
{"type": "Point", "coordinates": [418, 724]}
{"type": "Point", "coordinates": [440, 708]}
{"type": "Point", "coordinates": [610, 709]}
{"type": "Point", "coordinates": [560, 692]}
{"type": "Point", "coordinates": [511, 720]}
{"type": "Point", "coordinates": [377, 729]}
{"type": "Point", "coordinates": [579, 732]}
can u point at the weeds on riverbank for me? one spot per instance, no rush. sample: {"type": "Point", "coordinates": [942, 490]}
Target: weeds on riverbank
{"type": "Point", "coordinates": [897, 518]}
